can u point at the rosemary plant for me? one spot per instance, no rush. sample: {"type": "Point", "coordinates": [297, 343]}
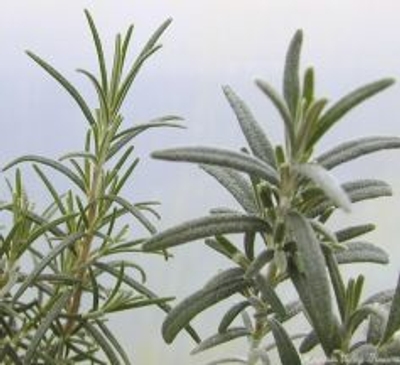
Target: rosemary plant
{"type": "Point", "coordinates": [82, 248]}
{"type": "Point", "coordinates": [287, 197]}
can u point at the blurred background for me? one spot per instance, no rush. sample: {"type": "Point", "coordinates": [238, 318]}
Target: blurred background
{"type": "Point", "coordinates": [210, 43]}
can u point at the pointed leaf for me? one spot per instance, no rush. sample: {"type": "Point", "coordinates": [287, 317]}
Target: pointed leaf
{"type": "Point", "coordinates": [291, 83]}
{"type": "Point", "coordinates": [349, 233]}
{"type": "Point", "coordinates": [51, 163]}
{"type": "Point", "coordinates": [57, 250]}
{"type": "Point", "coordinates": [393, 323]}
{"type": "Point", "coordinates": [231, 315]}
{"type": "Point", "coordinates": [269, 296]}
{"type": "Point", "coordinates": [205, 227]}
{"type": "Point", "coordinates": [361, 252]}
{"type": "Point", "coordinates": [259, 262]}
{"type": "Point", "coordinates": [287, 351]}
{"type": "Point", "coordinates": [67, 86]}
{"type": "Point", "coordinates": [221, 157]}
{"type": "Point", "coordinates": [236, 184]}
{"type": "Point", "coordinates": [344, 105]}
{"type": "Point", "coordinates": [257, 140]}
{"type": "Point", "coordinates": [325, 181]}
{"type": "Point", "coordinates": [351, 150]}
{"type": "Point", "coordinates": [360, 190]}
{"type": "Point", "coordinates": [45, 324]}
{"type": "Point", "coordinates": [280, 105]}
{"type": "Point", "coordinates": [186, 310]}
{"type": "Point", "coordinates": [220, 338]}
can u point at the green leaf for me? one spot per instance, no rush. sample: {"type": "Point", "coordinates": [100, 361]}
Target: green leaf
{"type": "Point", "coordinates": [186, 310]}
{"type": "Point", "coordinates": [280, 105]}
{"type": "Point", "coordinates": [231, 315]}
{"type": "Point", "coordinates": [351, 150]}
{"type": "Point", "coordinates": [344, 105]}
{"type": "Point", "coordinates": [228, 360]}
{"type": "Point", "coordinates": [67, 86]}
{"type": "Point", "coordinates": [269, 296]}
{"type": "Point", "coordinates": [291, 83]}
{"type": "Point", "coordinates": [132, 210]}
{"type": "Point", "coordinates": [308, 86]}
{"type": "Point", "coordinates": [393, 323]}
{"type": "Point", "coordinates": [205, 227]}
{"type": "Point", "coordinates": [45, 324]}
{"type": "Point", "coordinates": [220, 338]}
{"type": "Point", "coordinates": [57, 250]}
{"type": "Point", "coordinates": [236, 184]}
{"type": "Point", "coordinates": [143, 290]}
{"type": "Point", "coordinates": [255, 136]}
{"type": "Point", "coordinates": [361, 252]}
{"type": "Point", "coordinates": [50, 163]}
{"type": "Point", "coordinates": [225, 277]}
{"type": "Point", "coordinates": [104, 343]}
{"type": "Point", "coordinates": [99, 51]}
{"type": "Point", "coordinates": [287, 351]}
{"type": "Point", "coordinates": [221, 157]}
{"type": "Point", "coordinates": [325, 181]}
{"type": "Point", "coordinates": [259, 262]}
{"type": "Point", "coordinates": [309, 342]}
{"type": "Point", "coordinates": [349, 233]}
{"type": "Point", "coordinates": [311, 281]}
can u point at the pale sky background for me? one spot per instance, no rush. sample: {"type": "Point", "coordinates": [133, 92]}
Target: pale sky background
{"type": "Point", "coordinates": [210, 43]}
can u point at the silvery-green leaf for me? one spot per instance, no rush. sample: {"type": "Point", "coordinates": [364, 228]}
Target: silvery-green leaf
{"type": "Point", "coordinates": [377, 324]}
{"type": "Point", "coordinates": [367, 189]}
{"type": "Point", "coordinates": [381, 297]}
{"type": "Point", "coordinates": [280, 104]}
{"type": "Point", "coordinates": [255, 136]}
{"type": "Point", "coordinates": [363, 354]}
{"type": "Point", "coordinates": [325, 181]}
{"type": "Point", "coordinates": [361, 252]}
{"type": "Point", "coordinates": [205, 227]}
{"type": "Point", "coordinates": [225, 277]}
{"type": "Point", "coordinates": [236, 184]}
{"type": "Point", "coordinates": [180, 316]}
{"type": "Point", "coordinates": [220, 338]}
{"type": "Point", "coordinates": [351, 150]}
{"type": "Point", "coordinates": [311, 281]}
{"type": "Point", "coordinates": [349, 233]}
{"type": "Point", "coordinates": [287, 351]}
{"type": "Point", "coordinates": [269, 296]}
{"type": "Point", "coordinates": [221, 157]}
{"type": "Point", "coordinates": [259, 262]}
{"type": "Point", "coordinates": [309, 342]}
{"type": "Point", "coordinates": [291, 82]}
{"type": "Point", "coordinates": [344, 105]}
{"type": "Point", "coordinates": [231, 314]}
{"type": "Point", "coordinates": [393, 323]}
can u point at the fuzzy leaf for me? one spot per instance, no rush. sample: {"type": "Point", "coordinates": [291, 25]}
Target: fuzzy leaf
{"type": "Point", "coordinates": [325, 181]}
{"type": "Point", "coordinates": [257, 140]}
{"type": "Point", "coordinates": [309, 342]}
{"type": "Point", "coordinates": [393, 323]}
{"type": "Point", "coordinates": [231, 314]}
{"type": "Point", "coordinates": [361, 252]}
{"type": "Point", "coordinates": [259, 262]}
{"type": "Point", "coordinates": [220, 338]}
{"type": "Point", "coordinates": [287, 351]}
{"type": "Point", "coordinates": [205, 227]}
{"type": "Point", "coordinates": [236, 184]}
{"type": "Point", "coordinates": [221, 157]}
{"type": "Point", "coordinates": [311, 281]}
{"type": "Point", "coordinates": [344, 105]}
{"type": "Point", "coordinates": [291, 83]}
{"type": "Point", "coordinates": [186, 310]}
{"type": "Point", "coordinates": [351, 150]}
{"type": "Point", "coordinates": [280, 105]}
{"type": "Point", "coordinates": [269, 296]}
{"type": "Point", "coordinates": [225, 277]}
{"type": "Point", "coordinates": [349, 233]}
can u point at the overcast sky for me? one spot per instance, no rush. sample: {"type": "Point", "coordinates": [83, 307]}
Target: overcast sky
{"type": "Point", "coordinates": [210, 43]}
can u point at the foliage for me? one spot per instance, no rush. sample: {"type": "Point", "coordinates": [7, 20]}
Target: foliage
{"type": "Point", "coordinates": [80, 248]}
{"type": "Point", "coordinates": [287, 197]}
